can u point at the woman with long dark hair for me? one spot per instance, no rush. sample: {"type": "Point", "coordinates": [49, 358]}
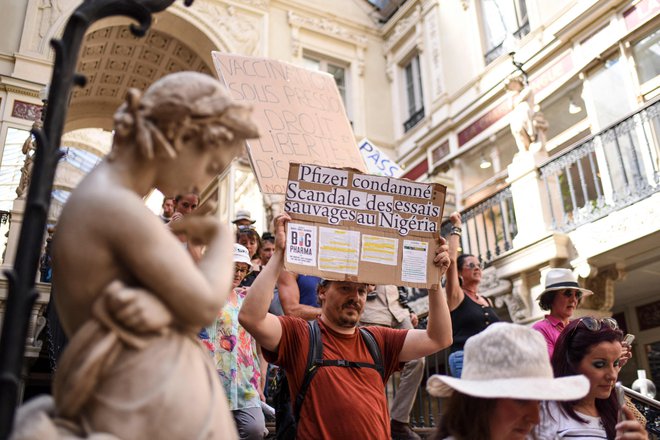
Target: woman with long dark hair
{"type": "Point", "coordinates": [592, 347]}
{"type": "Point", "coordinates": [507, 372]}
{"type": "Point", "coordinates": [470, 312]}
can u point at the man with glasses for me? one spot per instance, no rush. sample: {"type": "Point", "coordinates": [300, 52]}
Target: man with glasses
{"type": "Point", "coordinates": [342, 401]}
{"type": "Point", "coordinates": [561, 297]}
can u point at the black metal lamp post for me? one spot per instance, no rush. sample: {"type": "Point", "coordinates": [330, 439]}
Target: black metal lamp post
{"type": "Point", "coordinates": [22, 292]}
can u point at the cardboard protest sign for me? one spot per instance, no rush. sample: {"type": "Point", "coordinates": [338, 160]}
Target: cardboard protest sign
{"type": "Point", "coordinates": [299, 112]}
{"type": "Point", "coordinates": [358, 227]}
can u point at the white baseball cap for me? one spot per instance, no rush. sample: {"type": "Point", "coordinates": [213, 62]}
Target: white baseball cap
{"type": "Point", "coordinates": [241, 254]}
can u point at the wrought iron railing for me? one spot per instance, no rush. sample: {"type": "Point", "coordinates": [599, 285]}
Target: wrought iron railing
{"type": "Point", "coordinates": [426, 407]}
{"type": "Point", "coordinates": [413, 119]}
{"type": "Point", "coordinates": [612, 169]}
{"type": "Point", "coordinates": [649, 408]}
{"type": "Point", "coordinates": [488, 227]}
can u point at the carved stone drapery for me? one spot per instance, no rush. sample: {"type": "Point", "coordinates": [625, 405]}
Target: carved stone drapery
{"type": "Point", "coordinates": [602, 285]}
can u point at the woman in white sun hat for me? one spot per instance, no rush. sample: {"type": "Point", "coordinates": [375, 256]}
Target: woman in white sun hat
{"type": "Point", "coordinates": [506, 374]}
{"type": "Point", "coordinates": [561, 297]}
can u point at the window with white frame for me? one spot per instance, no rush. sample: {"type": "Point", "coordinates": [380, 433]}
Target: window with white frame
{"type": "Point", "coordinates": [413, 93]}
{"type": "Point", "coordinates": [336, 70]}
{"type": "Point", "coordinates": [646, 53]}
{"type": "Point", "coordinates": [502, 21]}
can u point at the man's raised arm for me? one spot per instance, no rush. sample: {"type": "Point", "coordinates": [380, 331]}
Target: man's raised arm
{"type": "Point", "coordinates": [253, 316]}
{"type": "Point", "coordinates": [438, 333]}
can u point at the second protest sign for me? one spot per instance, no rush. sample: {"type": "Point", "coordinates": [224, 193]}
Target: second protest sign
{"type": "Point", "coordinates": [351, 226]}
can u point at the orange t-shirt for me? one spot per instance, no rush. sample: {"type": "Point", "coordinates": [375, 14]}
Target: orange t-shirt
{"type": "Point", "coordinates": [341, 403]}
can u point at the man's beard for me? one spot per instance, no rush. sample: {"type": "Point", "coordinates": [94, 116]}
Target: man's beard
{"type": "Point", "coordinates": [349, 321]}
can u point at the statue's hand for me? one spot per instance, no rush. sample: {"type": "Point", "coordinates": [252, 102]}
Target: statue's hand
{"type": "Point", "coordinates": [137, 309]}
{"type": "Point", "coordinates": [198, 230]}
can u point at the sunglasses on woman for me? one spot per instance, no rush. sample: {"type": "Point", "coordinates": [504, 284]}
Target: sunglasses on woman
{"type": "Point", "coordinates": [569, 293]}
{"type": "Point", "coordinates": [595, 324]}
{"type": "Point", "coordinates": [472, 265]}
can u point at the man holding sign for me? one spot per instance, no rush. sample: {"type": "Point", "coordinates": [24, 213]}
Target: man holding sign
{"type": "Point", "coordinates": [342, 401]}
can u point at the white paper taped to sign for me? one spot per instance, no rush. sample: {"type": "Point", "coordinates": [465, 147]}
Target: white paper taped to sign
{"type": "Point", "coordinates": [413, 264]}
{"type": "Point", "coordinates": [301, 244]}
{"type": "Point", "coordinates": [339, 250]}
{"type": "Point", "coordinates": [383, 250]}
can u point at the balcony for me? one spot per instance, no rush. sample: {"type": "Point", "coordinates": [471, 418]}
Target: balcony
{"type": "Point", "coordinates": [413, 120]}
{"type": "Point", "coordinates": [614, 168]}
{"type": "Point", "coordinates": [605, 173]}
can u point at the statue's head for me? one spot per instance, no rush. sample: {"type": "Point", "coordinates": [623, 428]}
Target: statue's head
{"type": "Point", "coordinates": [515, 83]}
{"type": "Point", "coordinates": [177, 107]}
{"type": "Point", "coordinates": [180, 112]}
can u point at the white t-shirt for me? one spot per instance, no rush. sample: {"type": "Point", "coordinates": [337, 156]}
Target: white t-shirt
{"type": "Point", "coordinates": [555, 424]}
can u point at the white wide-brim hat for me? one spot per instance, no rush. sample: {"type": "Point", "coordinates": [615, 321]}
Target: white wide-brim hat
{"type": "Point", "coordinates": [508, 361]}
{"type": "Point", "coordinates": [243, 214]}
{"type": "Point", "coordinates": [561, 279]}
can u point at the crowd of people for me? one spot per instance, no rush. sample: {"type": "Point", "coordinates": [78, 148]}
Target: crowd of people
{"type": "Point", "coordinates": [506, 381]}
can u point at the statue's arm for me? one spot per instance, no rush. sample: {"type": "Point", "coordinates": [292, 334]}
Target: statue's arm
{"type": "Point", "coordinates": [160, 264]}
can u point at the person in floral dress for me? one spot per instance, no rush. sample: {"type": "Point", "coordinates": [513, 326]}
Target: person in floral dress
{"type": "Point", "coordinates": [236, 356]}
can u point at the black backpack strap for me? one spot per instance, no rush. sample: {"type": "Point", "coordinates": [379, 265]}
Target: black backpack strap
{"type": "Point", "coordinates": [314, 360]}
{"type": "Point", "coordinates": [374, 350]}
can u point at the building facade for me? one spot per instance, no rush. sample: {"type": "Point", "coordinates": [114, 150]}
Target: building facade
{"type": "Point", "coordinates": [540, 117]}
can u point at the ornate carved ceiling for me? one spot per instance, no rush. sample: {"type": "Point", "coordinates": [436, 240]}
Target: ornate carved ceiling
{"type": "Point", "coordinates": [113, 60]}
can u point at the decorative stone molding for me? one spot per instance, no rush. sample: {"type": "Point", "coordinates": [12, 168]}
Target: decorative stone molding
{"type": "Point", "coordinates": [327, 27]}
{"type": "Point", "coordinates": [19, 90]}
{"type": "Point", "coordinates": [259, 4]}
{"type": "Point", "coordinates": [514, 305]}
{"type": "Point", "coordinates": [389, 69]}
{"type": "Point", "coordinates": [501, 293]}
{"type": "Point", "coordinates": [37, 320]}
{"type": "Point", "coordinates": [228, 21]}
{"type": "Point", "coordinates": [602, 285]}
{"type": "Point", "coordinates": [432, 35]}
{"type": "Point", "coordinates": [402, 28]}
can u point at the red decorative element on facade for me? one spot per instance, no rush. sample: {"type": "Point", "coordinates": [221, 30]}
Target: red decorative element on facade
{"type": "Point", "coordinates": [417, 171]}
{"type": "Point", "coordinates": [484, 122]}
{"type": "Point", "coordinates": [26, 110]}
{"type": "Point", "coordinates": [539, 82]}
{"type": "Point", "coordinates": [440, 152]}
{"type": "Point", "coordinates": [641, 12]}
{"type": "Point", "coordinates": [553, 72]}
